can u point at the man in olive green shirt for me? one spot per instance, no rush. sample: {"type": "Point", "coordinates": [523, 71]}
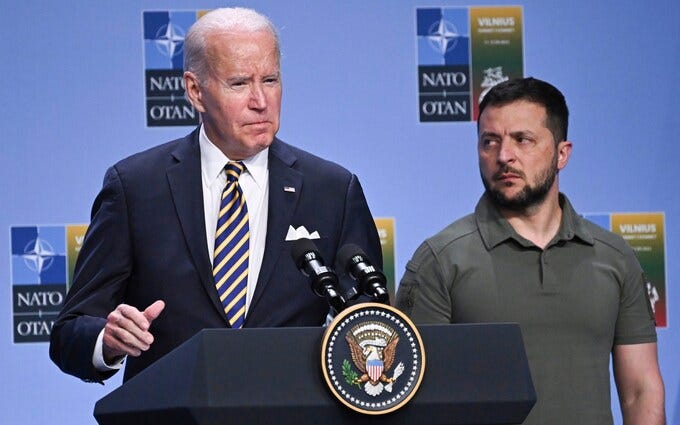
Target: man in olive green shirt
{"type": "Point", "coordinates": [525, 256]}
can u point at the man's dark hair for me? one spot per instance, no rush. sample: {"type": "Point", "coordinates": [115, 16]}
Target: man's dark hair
{"type": "Point", "coordinates": [534, 91]}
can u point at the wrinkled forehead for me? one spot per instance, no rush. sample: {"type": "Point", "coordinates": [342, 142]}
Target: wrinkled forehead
{"type": "Point", "coordinates": [220, 40]}
{"type": "Point", "coordinates": [515, 113]}
{"type": "Point", "coordinates": [254, 51]}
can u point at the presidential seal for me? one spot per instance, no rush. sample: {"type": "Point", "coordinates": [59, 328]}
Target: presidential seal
{"type": "Point", "coordinates": [372, 358]}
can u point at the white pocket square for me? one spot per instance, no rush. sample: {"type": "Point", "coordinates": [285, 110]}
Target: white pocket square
{"type": "Point", "coordinates": [299, 233]}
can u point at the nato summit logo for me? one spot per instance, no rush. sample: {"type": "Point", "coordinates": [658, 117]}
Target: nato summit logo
{"type": "Point", "coordinates": [444, 64]}
{"type": "Point", "coordinates": [164, 33]}
{"type": "Point", "coordinates": [42, 260]}
{"type": "Point", "coordinates": [462, 53]}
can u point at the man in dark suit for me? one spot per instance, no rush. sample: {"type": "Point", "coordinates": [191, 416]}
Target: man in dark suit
{"type": "Point", "coordinates": [144, 280]}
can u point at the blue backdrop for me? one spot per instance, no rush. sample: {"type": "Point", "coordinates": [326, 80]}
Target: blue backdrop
{"type": "Point", "coordinates": [73, 76]}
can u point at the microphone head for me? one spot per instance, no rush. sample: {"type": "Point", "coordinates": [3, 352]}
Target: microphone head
{"type": "Point", "coordinates": [371, 280]}
{"type": "Point", "coordinates": [323, 279]}
{"type": "Point", "coordinates": [301, 247]}
{"type": "Point", "coordinates": [346, 254]}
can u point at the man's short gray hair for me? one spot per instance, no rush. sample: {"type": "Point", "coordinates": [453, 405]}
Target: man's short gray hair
{"type": "Point", "coordinates": [224, 19]}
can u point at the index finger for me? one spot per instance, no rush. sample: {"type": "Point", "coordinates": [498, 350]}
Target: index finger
{"type": "Point", "coordinates": [134, 315]}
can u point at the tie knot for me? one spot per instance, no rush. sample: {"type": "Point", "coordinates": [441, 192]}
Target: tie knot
{"type": "Point", "coordinates": [234, 170]}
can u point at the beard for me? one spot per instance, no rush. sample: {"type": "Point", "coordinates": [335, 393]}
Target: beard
{"type": "Point", "coordinates": [530, 195]}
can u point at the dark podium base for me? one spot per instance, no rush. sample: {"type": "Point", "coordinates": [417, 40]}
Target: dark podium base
{"type": "Point", "coordinates": [475, 374]}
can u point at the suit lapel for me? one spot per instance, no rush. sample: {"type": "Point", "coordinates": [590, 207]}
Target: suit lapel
{"type": "Point", "coordinates": [184, 179]}
{"type": "Point", "coordinates": [285, 186]}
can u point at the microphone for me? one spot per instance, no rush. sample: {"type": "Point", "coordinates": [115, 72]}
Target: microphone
{"type": "Point", "coordinates": [323, 279]}
{"type": "Point", "coordinates": [372, 281]}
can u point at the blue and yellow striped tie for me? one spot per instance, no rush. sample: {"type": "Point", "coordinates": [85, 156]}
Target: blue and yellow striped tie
{"type": "Point", "coordinates": [230, 261]}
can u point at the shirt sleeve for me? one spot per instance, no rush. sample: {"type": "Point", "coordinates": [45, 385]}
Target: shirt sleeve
{"type": "Point", "coordinates": [423, 293]}
{"type": "Point", "coordinates": [98, 357]}
{"type": "Point", "coordinates": [635, 322]}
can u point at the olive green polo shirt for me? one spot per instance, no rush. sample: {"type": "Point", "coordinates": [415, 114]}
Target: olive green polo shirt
{"type": "Point", "coordinates": [574, 300]}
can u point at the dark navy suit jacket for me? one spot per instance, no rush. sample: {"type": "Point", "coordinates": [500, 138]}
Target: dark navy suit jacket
{"type": "Point", "coordinates": [147, 241]}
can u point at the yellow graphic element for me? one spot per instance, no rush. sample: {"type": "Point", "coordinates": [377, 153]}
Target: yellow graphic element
{"type": "Point", "coordinates": [386, 232]}
{"type": "Point", "coordinates": [75, 235]}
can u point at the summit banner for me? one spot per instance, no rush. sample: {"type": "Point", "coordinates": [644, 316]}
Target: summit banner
{"type": "Point", "coordinates": [462, 53]}
{"type": "Point", "coordinates": [645, 233]}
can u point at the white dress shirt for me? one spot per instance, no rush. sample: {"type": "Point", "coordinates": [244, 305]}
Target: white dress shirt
{"type": "Point", "coordinates": [254, 183]}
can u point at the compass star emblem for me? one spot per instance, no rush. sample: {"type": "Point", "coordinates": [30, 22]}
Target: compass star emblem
{"type": "Point", "coordinates": [169, 40]}
{"type": "Point", "coordinates": [38, 255]}
{"type": "Point", "coordinates": [443, 36]}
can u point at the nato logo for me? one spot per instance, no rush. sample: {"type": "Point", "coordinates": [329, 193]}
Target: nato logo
{"type": "Point", "coordinates": [164, 33]}
{"type": "Point", "coordinates": [38, 255]}
{"type": "Point", "coordinates": [443, 38]}
{"type": "Point", "coordinates": [39, 278]}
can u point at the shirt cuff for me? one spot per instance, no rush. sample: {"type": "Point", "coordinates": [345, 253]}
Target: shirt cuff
{"type": "Point", "coordinates": [98, 356]}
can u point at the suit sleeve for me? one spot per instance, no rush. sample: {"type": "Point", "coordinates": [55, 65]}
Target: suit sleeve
{"type": "Point", "coordinates": [101, 273]}
{"type": "Point", "coordinates": [359, 227]}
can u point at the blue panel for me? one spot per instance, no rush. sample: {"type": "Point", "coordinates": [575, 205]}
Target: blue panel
{"type": "Point", "coordinates": [460, 53]}
{"type": "Point", "coordinates": [153, 22]}
{"type": "Point", "coordinates": [20, 238]}
{"type": "Point", "coordinates": [426, 18]}
{"type": "Point", "coordinates": [56, 272]}
{"type": "Point", "coordinates": [56, 235]}
{"type": "Point", "coordinates": [427, 54]}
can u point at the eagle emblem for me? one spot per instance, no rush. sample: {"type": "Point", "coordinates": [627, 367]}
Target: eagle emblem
{"type": "Point", "coordinates": [373, 347]}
